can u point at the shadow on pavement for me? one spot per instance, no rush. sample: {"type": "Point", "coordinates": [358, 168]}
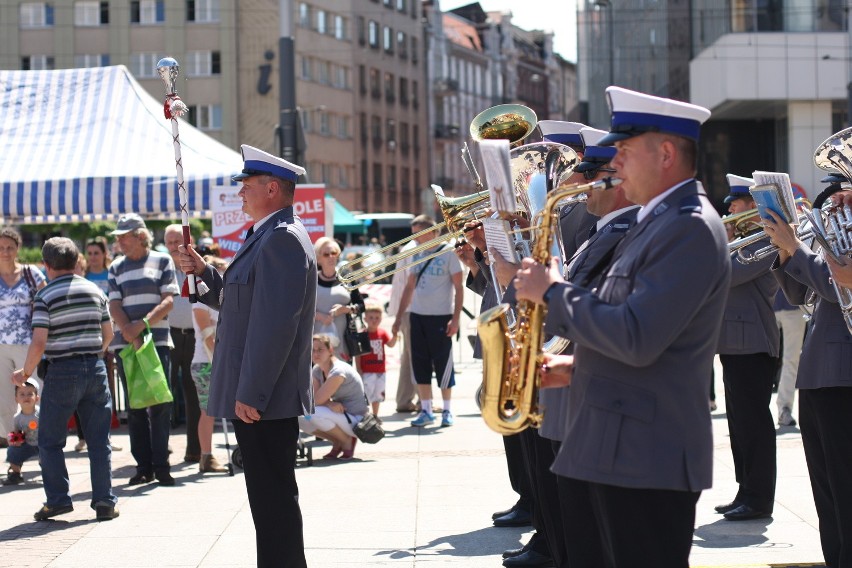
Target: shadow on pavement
{"type": "Point", "coordinates": [36, 529]}
{"type": "Point", "coordinates": [481, 542]}
{"type": "Point", "coordinates": [733, 534]}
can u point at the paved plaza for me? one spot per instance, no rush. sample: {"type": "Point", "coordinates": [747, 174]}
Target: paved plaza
{"type": "Point", "coordinates": [421, 497]}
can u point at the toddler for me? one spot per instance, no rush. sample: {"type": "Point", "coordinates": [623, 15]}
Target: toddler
{"type": "Point", "coordinates": [372, 365]}
{"type": "Point", "coordinates": [24, 445]}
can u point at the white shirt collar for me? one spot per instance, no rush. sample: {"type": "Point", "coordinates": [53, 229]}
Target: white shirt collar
{"type": "Point", "coordinates": [646, 209]}
{"type": "Point", "coordinates": [601, 223]}
{"type": "Point", "coordinates": [259, 223]}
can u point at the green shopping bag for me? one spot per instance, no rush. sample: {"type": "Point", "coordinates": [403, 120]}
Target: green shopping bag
{"type": "Point", "coordinates": [146, 379]}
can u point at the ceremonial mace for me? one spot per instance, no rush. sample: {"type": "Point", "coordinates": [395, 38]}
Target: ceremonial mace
{"type": "Point", "coordinates": [174, 108]}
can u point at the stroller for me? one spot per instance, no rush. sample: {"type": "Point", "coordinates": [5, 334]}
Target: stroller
{"type": "Point", "coordinates": [235, 458]}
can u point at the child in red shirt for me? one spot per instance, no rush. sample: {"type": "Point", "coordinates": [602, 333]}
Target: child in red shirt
{"type": "Point", "coordinates": [371, 366]}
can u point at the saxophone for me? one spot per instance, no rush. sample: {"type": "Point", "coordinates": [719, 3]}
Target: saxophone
{"type": "Point", "coordinates": [512, 356]}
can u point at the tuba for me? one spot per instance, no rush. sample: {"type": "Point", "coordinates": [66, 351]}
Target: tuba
{"type": "Point", "coordinates": [832, 226]}
{"type": "Point", "coordinates": [511, 358]}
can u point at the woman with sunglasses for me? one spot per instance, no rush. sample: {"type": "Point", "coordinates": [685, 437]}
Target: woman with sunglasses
{"type": "Point", "coordinates": [334, 302]}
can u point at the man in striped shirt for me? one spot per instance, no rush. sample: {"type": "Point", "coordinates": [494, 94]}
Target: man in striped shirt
{"type": "Point", "coordinates": [142, 287]}
{"type": "Point", "coordinates": [71, 329]}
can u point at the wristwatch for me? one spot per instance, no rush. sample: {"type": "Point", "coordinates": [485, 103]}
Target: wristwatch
{"type": "Point", "coordinates": [549, 292]}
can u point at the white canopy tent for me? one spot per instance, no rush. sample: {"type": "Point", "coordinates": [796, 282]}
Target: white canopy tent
{"type": "Point", "coordinates": [79, 145]}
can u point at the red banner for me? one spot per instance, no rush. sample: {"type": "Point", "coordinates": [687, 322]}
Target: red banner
{"type": "Point", "coordinates": [230, 224]}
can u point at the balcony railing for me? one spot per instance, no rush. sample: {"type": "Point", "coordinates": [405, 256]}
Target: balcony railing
{"type": "Point", "coordinates": [446, 183]}
{"type": "Point", "coordinates": [446, 131]}
{"type": "Point", "coordinates": [445, 87]}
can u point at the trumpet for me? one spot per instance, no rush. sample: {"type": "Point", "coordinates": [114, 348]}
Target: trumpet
{"type": "Point", "coordinates": [803, 233]}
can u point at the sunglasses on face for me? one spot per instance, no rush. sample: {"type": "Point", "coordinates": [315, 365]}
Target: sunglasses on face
{"type": "Point", "coordinates": [591, 174]}
{"type": "Point", "coordinates": [330, 253]}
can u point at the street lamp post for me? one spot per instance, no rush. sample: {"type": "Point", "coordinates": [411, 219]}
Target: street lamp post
{"type": "Point", "coordinates": [287, 83]}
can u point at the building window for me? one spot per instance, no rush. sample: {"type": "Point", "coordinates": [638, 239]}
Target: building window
{"type": "Point", "coordinates": [306, 121]}
{"type": "Point", "coordinates": [205, 117]}
{"type": "Point", "coordinates": [391, 133]}
{"type": "Point", "coordinates": [390, 91]}
{"type": "Point", "coordinates": [362, 123]}
{"type": "Point", "coordinates": [362, 79]}
{"type": "Point", "coordinates": [321, 22]}
{"type": "Point", "coordinates": [323, 72]}
{"type": "Point", "coordinates": [343, 180]}
{"type": "Point", "coordinates": [403, 91]}
{"type": "Point", "coordinates": [362, 31]}
{"type": "Point", "coordinates": [35, 15]}
{"type": "Point", "coordinates": [376, 131]}
{"type": "Point", "coordinates": [387, 39]}
{"type": "Point", "coordinates": [326, 174]}
{"type": "Point", "coordinates": [147, 11]}
{"type": "Point", "coordinates": [415, 144]}
{"type": "Point", "coordinates": [344, 129]}
{"type": "Point", "coordinates": [373, 34]}
{"type": "Point", "coordinates": [404, 143]}
{"type": "Point", "coordinates": [144, 65]}
{"type": "Point", "coordinates": [37, 62]}
{"type": "Point", "coordinates": [306, 69]}
{"type": "Point", "coordinates": [340, 28]}
{"type": "Point", "coordinates": [400, 6]}
{"type": "Point", "coordinates": [202, 10]}
{"type": "Point", "coordinates": [202, 63]}
{"type": "Point", "coordinates": [375, 86]}
{"type": "Point", "coordinates": [415, 56]}
{"type": "Point", "coordinates": [402, 45]}
{"type": "Point", "coordinates": [341, 77]}
{"type": "Point", "coordinates": [414, 102]}
{"type": "Point", "coordinates": [91, 13]}
{"type": "Point", "coordinates": [403, 182]}
{"type": "Point", "coordinates": [377, 177]}
{"type": "Point", "coordinates": [81, 61]}
{"type": "Point", "coordinates": [304, 15]}
{"type": "Point", "coordinates": [392, 177]}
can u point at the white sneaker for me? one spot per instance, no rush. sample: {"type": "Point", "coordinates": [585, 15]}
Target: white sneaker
{"type": "Point", "coordinates": [785, 417]}
{"type": "Point", "coordinates": [81, 445]}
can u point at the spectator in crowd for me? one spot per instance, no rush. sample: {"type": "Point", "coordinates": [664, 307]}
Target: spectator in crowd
{"type": "Point", "coordinates": [98, 259]}
{"type": "Point", "coordinates": [71, 328]}
{"type": "Point", "coordinates": [142, 287]}
{"type": "Point", "coordinates": [434, 293]}
{"type": "Point", "coordinates": [204, 321]}
{"type": "Point", "coordinates": [372, 365]}
{"type": "Point", "coordinates": [183, 339]}
{"type": "Point", "coordinates": [18, 286]}
{"type": "Point", "coordinates": [333, 301]}
{"type": "Point", "coordinates": [26, 426]}
{"type": "Point", "coordinates": [406, 390]}
{"type": "Point", "coordinates": [791, 321]}
{"type": "Point", "coordinates": [339, 399]}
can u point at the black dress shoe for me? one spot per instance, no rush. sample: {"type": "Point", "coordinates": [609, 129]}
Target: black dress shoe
{"type": "Point", "coordinates": [722, 509]}
{"type": "Point", "coordinates": [141, 478]}
{"type": "Point", "coordinates": [517, 518]}
{"type": "Point", "coordinates": [745, 513]}
{"type": "Point", "coordinates": [503, 513]}
{"type": "Point", "coordinates": [165, 478]}
{"type": "Point", "coordinates": [529, 558]}
{"type": "Point", "coordinates": [511, 553]}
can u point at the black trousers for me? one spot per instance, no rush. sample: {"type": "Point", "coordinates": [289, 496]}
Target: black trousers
{"type": "Point", "coordinates": [529, 440]}
{"type": "Point", "coordinates": [182, 354]}
{"type": "Point", "coordinates": [825, 416]}
{"type": "Point", "coordinates": [619, 527]}
{"type": "Point", "coordinates": [269, 462]}
{"type": "Point", "coordinates": [748, 390]}
{"type": "Point", "coordinates": [518, 477]}
{"type": "Point", "coordinates": [548, 510]}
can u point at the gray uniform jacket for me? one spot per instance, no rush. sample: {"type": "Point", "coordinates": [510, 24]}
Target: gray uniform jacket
{"type": "Point", "coordinates": [644, 346]}
{"type": "Point", "coordinates": [749, 324]}
{"type": "Point", "coordinates": [826, 359]}
{"type": "Point", "coordinates": [266, 301]}
{"type": "Point", "coordinates": [585, 268]}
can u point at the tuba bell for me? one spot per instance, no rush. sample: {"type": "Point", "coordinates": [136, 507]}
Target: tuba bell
{"type": "Point", "coordinates": [504, 122]}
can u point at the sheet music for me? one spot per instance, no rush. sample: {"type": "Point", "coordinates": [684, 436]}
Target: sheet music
{"type": "Point", "coordinates": [498, 174]}
{"type": "Point", "coordinates": [780, 199]}
{"type": "Point", "coordinates": [497, 238]}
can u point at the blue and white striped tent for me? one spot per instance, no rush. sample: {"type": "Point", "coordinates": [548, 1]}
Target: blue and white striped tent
{"type": "Point", "coordinates": [79, 145]}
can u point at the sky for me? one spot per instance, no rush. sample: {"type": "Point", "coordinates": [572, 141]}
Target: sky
{"type": "Point", "coordinates": [558, 16]}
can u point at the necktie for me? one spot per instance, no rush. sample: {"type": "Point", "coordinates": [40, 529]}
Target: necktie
{"type": "Point", "coordinates": [250, 232]}
{"type": "Point", "coordinates": [593, 230]}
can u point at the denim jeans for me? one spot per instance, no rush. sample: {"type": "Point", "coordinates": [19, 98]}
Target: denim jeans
{"type": "Point", "coordinates": [75, 384]}
{"type": "Point", "coordinates": [149, 427]}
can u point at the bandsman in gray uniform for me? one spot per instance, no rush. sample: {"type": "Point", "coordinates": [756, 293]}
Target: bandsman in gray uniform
{"type": "Point", "coordinates": [824, 382]}
{"type": "Point", "coordinates": [748, 349]}
{"type": "Point", "coordinates": [638, 447]}
{"type": "Point", "coordinates": [261, 376]}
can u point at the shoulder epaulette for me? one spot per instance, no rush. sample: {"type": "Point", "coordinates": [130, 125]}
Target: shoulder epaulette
{"type": "Point", "coordinates": [690, 204]}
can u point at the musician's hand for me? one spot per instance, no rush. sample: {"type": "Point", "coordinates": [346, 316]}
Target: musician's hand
{"type": "Point", "coordinates": [474, 234]}
{"type": "Point", "coordinates": [513, 218]}
{"type": "Point", "coordinates": [842, 273]}
{"type": "Point", "coordinates": [782, 235]}
{"type": "Point", "coordinates": [465, 256]}
{"type": "Point", "coordinates": [246, 413]}
{"type": "Point", "coordinates": [842, 198]}
{"type": "Point", "coordinates": [190, 261]}
{"type": "Point", "coordinates": [556, 371]}
{"type": "Point", "coordinates": [533, 279]}
{"type": "Point", "coordinates": [729, 228]}
{"type": "Point", "coordinates": [504, 269]}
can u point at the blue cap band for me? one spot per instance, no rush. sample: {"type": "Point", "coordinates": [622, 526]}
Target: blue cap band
{"type": "Point", "coordinates": [567, 139]}
{"type": "Point", "coordinates": [266, 167]}
{"type": "Point", "coordinates": [740, 189]}
{"type": "Point", "coordinates": [599, 153]}
{"type": "Point", "coordinates": [644, 122]}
